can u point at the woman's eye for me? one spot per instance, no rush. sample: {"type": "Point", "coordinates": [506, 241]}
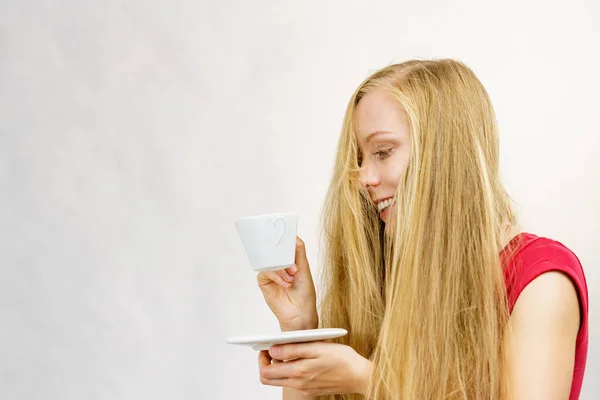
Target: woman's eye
{"type": "Point", "coordinates": [383, 153]}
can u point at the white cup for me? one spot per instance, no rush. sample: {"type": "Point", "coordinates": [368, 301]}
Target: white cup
{"type": "Point", "coordinates": [269, 239]}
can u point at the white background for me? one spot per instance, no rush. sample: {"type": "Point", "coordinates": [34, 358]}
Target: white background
{"type": "Point", "coordinates": [133, 133]}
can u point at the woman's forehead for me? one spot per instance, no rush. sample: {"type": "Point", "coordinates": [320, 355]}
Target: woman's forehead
{"type": "Point", "coordinates": [378, 110]}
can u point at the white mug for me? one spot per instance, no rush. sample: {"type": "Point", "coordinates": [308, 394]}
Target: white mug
{"type": "Point", "coordinates": [269, 240]}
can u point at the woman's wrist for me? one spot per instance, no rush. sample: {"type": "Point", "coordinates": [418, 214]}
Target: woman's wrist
{"type": "Point", "coordinates": [298, 324]}
{"type": "Point", "coordinates": [363, 374]}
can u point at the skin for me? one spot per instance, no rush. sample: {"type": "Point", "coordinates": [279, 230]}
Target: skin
{"type": "Point", "coordinates": [384, 139]}
{"type": "Point", "coordinates": [541, 355]}
{"type": "Point", "coordinates": [545, 319]}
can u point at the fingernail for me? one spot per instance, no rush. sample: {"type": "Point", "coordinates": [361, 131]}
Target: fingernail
{"type": "Point", "coordinates": [274, 351]}
{"type": "Point", "coordinates": [293, 269]}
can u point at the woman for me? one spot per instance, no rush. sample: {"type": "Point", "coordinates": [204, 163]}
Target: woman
{"type": "Point", "coordinates": [441, 293]}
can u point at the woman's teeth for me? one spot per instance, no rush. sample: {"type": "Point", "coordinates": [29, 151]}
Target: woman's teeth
{"type": "Point", "coordinates": [385, 204]}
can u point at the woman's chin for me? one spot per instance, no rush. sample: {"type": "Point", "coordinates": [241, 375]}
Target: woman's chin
{"type": "Point", "coordinates": [388, 218]}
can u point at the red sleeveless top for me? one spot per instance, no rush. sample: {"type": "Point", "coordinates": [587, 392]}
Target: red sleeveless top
{"type": "Point", "coordinates": [534, 256]}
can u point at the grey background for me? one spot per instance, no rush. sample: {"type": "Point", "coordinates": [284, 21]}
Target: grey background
{"type": "Point", "coordinates": [133, 133]}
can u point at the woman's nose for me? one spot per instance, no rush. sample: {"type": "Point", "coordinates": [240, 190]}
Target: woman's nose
{"type": "Point", "coordinates": [368, 177]}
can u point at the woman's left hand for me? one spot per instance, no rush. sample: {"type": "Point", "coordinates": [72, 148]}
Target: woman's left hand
{"type": "Point", "coordinates": [315, 368]}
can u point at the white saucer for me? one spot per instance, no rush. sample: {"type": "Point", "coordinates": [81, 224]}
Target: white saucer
{"type": "Point", "coordinates": [264, 342]}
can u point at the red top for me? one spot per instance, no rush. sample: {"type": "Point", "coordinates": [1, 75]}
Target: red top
{"type": "Point", "coordinates": [535, 256]}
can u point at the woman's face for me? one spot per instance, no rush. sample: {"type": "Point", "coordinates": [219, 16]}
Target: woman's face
{"type": "Point", "coordinates": [384, 141]}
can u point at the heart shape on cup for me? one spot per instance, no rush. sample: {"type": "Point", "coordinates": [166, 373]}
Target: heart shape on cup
{"type": "Point", "coordinates": [274, 230]}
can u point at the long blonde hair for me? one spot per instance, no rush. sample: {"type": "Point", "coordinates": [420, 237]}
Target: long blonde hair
{"type": "Point", "coordinates": [425, 302]}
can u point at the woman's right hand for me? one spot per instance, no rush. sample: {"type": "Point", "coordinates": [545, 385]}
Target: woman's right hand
{"type": "Point", "coordinates": [290, 293]}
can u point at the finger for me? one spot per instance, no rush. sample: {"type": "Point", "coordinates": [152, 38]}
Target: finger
{"type": "Point", "coordinates": [292, 269]}
{"type": "Point", "coordinates": [286, 277]}
{"type": "Point", "coordinates": [289, 369]}
{"type": "Point", "coordinates": [300, 258]}
{"type": "Point", "coordinates": [285, 382]}
{"type": "Point", "coordinates": [293, 351]}
{"type": "Point", "coordinates": [266, 277]}
{"type": "Point", "coordinates": [264, 359]}
{"type": "Point", "coordinates": [301, 261]}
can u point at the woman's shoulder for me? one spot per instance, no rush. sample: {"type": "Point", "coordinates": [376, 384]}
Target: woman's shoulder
{"type": "Point", "coordinates": [532, 252]}
{"type": "Point", "coordinates": [533, 255]}
{"type": "Point", "coordinates": [532, 262]}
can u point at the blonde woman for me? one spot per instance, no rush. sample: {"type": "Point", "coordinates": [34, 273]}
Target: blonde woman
{"type": "Point", "coordinates": [425, 266]}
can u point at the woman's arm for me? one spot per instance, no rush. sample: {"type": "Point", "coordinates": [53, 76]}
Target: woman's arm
{"type": "Point", "coordinates": [540, 352]}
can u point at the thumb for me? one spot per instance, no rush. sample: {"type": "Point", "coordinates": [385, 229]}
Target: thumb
{"type": "Point", "coordinates": [300, 258]}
